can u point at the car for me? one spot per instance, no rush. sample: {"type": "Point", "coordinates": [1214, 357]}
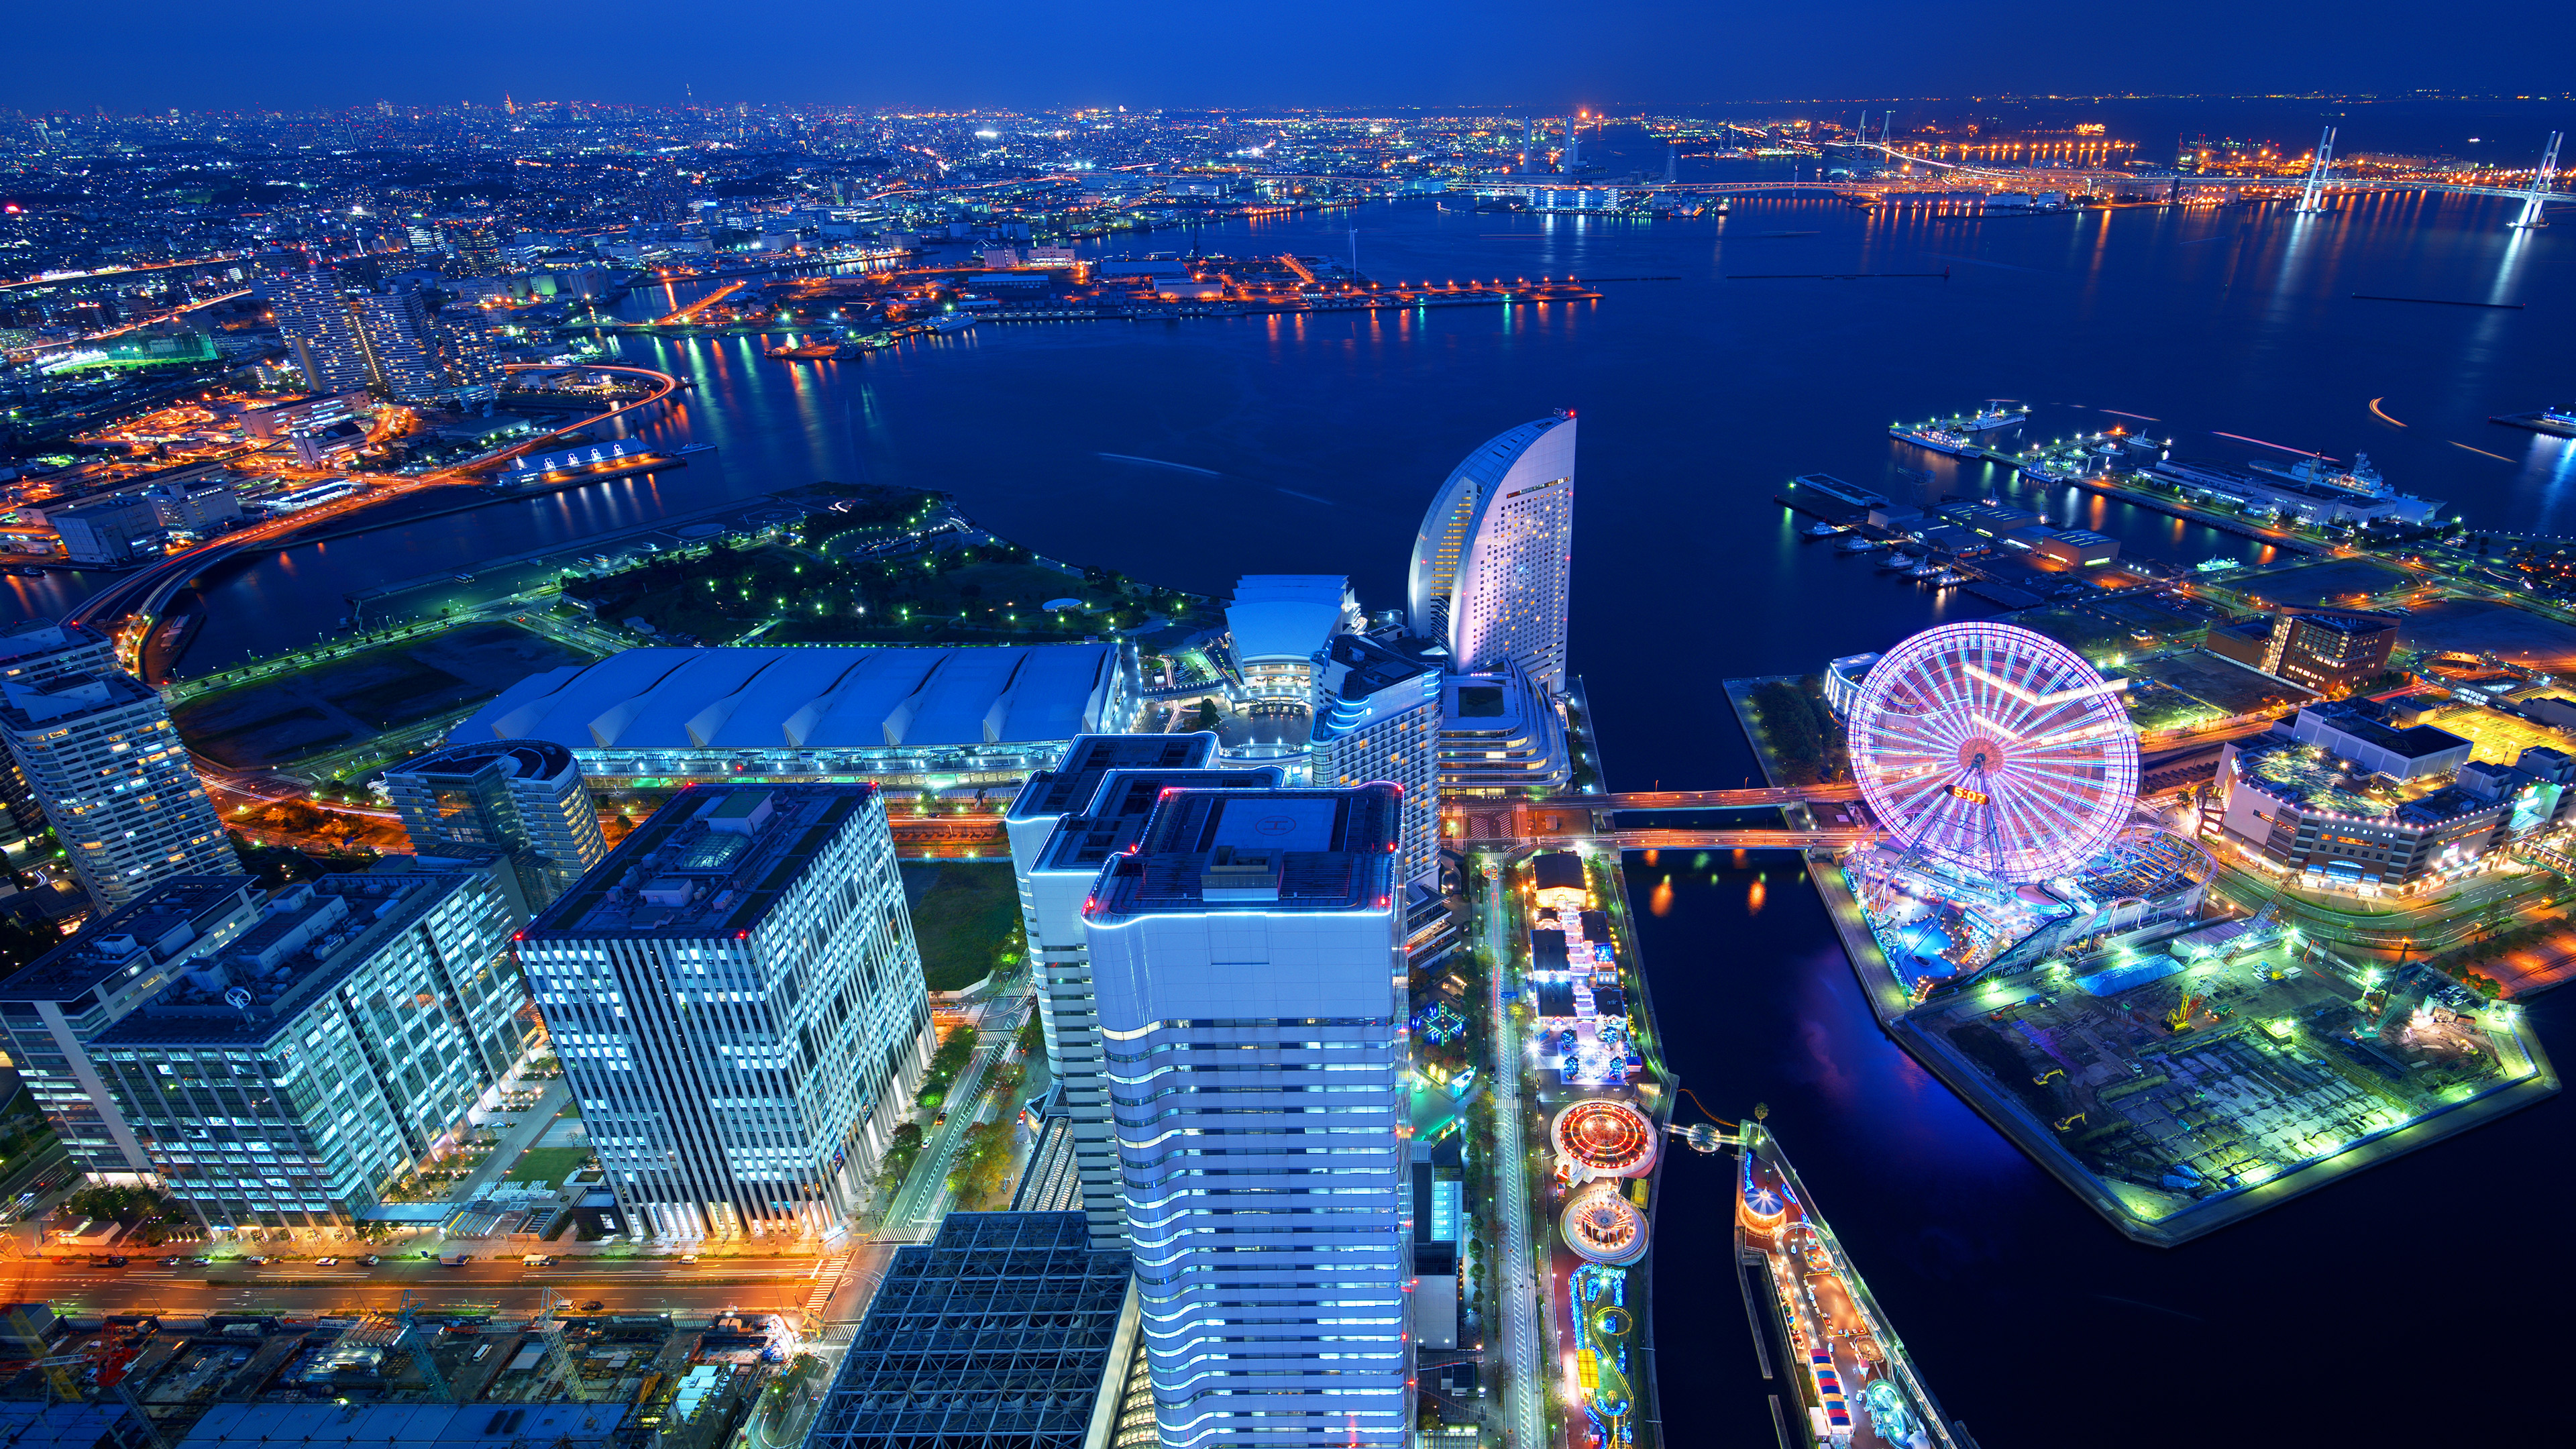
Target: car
{"type": "Point", "coordinates": [369, 1261]}
{"type": "Point", "coordinates": [593, 1306]}
{"type": "Point", "coordinates": [326, 1262]}
{"type": "Point", "coordinates": [255, 1258]}
{"type": "Point", "coordinates": [688, 1257]}
{"type": "Point", "coordinates": [172, 1262]}
{"type": "Point", "coordinates": [117, 1260]}
{"type": "Point", "coordinates": [941, 1120]}
{"type": "Point", "coordinates": [201, 1259]}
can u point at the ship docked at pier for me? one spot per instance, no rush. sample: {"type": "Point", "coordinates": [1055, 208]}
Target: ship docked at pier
{"type": "Point", "coordinates": [1816, 1325]}
{"type": "Point", "coordinates": [1961, 436]}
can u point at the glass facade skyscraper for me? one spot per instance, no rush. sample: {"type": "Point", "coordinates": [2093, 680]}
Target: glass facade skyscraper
{"type": "Point", "coordinates": [738, 1004]}
{"type": "Point", "coordinates": [1064, 826]}
{"type": "Point", "coordinates": [1247, 955]}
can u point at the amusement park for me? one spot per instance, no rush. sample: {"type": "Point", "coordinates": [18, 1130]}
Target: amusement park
{"type": "Point", "coordinates": [2055, 952]}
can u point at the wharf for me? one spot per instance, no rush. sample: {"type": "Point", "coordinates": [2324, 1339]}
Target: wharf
{"type": "Point", "coordinates": [1823, 1320]}
{"type": "Point", "coordinates": [2555, 425]}
{"type": "Point", "coordinates": [2109, 486]}
{"type": "Point", "coordinates": [1898, 1017]}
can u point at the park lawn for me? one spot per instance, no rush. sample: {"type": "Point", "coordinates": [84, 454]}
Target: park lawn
{"type": "Point", "coordinates": [966, 922]}
{"type": "Point", "coordinates": [547, 1164]}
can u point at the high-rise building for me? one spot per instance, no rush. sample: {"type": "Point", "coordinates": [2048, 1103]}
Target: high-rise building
{"type": "Point", "coordinates": [343, 1039]}
{"type": "Point", "coordinates": [400, 343]}
{"type": "Point", "coordinates": [1377, 717]}
{"type": "Point", "coordinates": [39, 651]}
{"type": "Point", "coordinates": [738, 1004]}
{"type": "Point", "coordinates": [1492, 563]}
{"type": "Point", "coordinates": [466, 352]}
{"type": "Point", "coordinates": [312, 310]}
{"type": "Point", "coordinates": [102, 760]}
{"type": "Point", "coordinates": [68, 996]}
{"type": "Point", "coordinates": [1248, 959]}
{"type": "Point", "coordinates": [1063, 827]}
{"type": "Point", "coordinates": [522, 797]}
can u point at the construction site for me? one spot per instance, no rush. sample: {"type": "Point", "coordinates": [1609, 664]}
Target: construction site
{"type": "Point", "coordinates": [2196, 1079]}
{"type": "Point", "coordinates": [623, 1380]}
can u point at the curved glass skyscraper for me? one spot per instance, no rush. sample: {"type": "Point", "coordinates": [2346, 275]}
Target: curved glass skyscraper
{"type": "Point", "coordinates": [1492, 562]}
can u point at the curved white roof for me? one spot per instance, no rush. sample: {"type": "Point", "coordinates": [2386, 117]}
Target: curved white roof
{"type": "Point", "coordinates": [810, 698]}
{"type": "Point", "coordinates": [1285, 616]}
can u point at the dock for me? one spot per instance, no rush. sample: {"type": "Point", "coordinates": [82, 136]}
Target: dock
{"type": "Point", "coordinates": [1854, 1382]}
{"type": "Point", "coordinates": [1909, 1024]}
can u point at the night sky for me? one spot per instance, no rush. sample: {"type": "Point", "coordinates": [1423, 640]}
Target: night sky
{"type": "Point", "coordinates": [150, 55]}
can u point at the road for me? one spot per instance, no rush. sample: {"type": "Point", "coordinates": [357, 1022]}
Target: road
{"type": "Point", "coordinates": [495, 1281]}
{"type": "Point", "coordinates": [923, 1199]}
{"type": "Point", "coordinates": [1518, 1291]}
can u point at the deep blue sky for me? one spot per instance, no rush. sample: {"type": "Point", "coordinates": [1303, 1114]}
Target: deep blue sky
{"type": "Point", "coordinates": [132, 55]}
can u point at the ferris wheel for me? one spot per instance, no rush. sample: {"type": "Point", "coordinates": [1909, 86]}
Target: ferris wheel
{"type": "Point", "coordinates": [1994, 749]}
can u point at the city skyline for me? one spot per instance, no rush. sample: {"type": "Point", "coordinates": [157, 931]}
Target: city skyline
{"type": "Point", "coordinates": [1516, 55]}
{"type": "Point", "coordinates": [707, 731]}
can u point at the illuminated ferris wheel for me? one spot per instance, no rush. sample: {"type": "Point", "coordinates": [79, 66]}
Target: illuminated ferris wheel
{"type": "Point", "coordinates": [1995, 749]}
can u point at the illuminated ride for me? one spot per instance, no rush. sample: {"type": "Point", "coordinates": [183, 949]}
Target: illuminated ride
{"type": "Point", "coordinates": [1605, 1138]}
{"type": "Point", "coordinates": [1995, 750]}
{"type": "Point", "coordinates": [1602, 1226]}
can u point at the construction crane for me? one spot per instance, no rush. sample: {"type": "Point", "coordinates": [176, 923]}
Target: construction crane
{"type": "Point", "coordinates": [2179, 1018]}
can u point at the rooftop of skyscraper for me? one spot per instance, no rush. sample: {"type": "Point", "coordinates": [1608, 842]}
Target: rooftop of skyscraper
{"type": "Point", "coordinates": [1069, 786]}
{"type": "Point", "coordinates": [711, 862]}
{"type": "Point", "coordinates": [167, 923]}
{"type": "Point", "coordinates": [1357, 670]}
{"type": "Point", "coordinates": [25, 706]}
{"type": "Point", "coordinates": [1258, 850]}
{"type": "Point", "coordinates": [522, 759]}
{"type": "Point", "coordinates": [1113, 816]}
{"type": "Point", "coordinates": [312, 936]}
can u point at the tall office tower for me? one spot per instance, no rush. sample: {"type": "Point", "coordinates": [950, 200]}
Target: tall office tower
{"type": "Point", "coordinates": [89, 983]}
{"type": "Point", "coordinates": [1066, 822]}
{"type": "Point", "coordinates": [736, 998]}
{"type": "Point", "coordinates": [401, 345]}
{"type": "Point", "coordinates": [1491, 565]}
{"type": "Point", "coordinates": [100, 756]}
{"type": "Point", "coordinates": [524, 797]}
{"type": "Point", "coordinates": [1249, 966]}
{"type": "Point", "coordinates": [467, 354]}
{"type": "Point", "coordinates": [38, 651]}
{"type": "Point", "coordinates": [1377, 717]}
{"type": "Point", "coordinates": [312, 311]}
{"type": "Point", "coordinates": [475, 246]}
{"type": "Point", "coordinates": [285, 1080]}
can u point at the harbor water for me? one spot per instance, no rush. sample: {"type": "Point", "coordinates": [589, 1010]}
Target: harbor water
{"type": "Point", "coordinates": [1191, 452]}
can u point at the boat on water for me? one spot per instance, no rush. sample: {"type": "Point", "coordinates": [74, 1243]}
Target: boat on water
{"type": "Point", "coordinates": [1898, 559]}
{"type": "Point", "coordinates": [1939, 439]}
{"type": "Point", "coordinates": [2360, 478]}
{"type": "Point", "coordinates": [2556, 422]}
{"type": "Point", "coordinates": [1928, 570]}
{"type": "Point", "coordinates": [953, 322]}
{"type": "Point", "coordinates": [1996, 413]}
{"type": "Point", "coordinates": [1865, 1391]}
{"type": "Point", "coordinates": [1858, 543]}
{"type": "Point", "coordinates": [696, 448]}
{"type": "Point", "coordinates": [2051, 470]}
{"type": "Point", "coordinates": [1823, 530]}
